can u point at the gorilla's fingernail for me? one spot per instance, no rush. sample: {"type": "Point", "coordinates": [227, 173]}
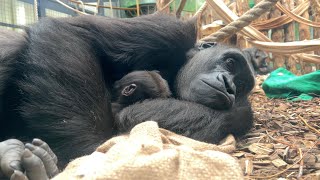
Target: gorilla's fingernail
{"type": "Point", "coordinates": [27, 153]}
{"type": "Point", "coordinates": [30, 146]}
{"type": "Point", "coordinates": [37, 141]}
{"type": "Point", "coordinates": [18, 175]}
{"type": "Point", "coordinates": [15, 165]}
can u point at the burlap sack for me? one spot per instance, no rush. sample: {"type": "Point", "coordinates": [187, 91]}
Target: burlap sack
{"type": "Point", "coordinates": [152, 153]}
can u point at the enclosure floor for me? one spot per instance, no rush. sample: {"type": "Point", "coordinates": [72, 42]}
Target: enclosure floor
{"type": "Point", "coordinates": [280, 138]}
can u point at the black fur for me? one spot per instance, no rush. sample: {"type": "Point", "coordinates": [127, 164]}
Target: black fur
{"type": "Point", "coordinates": [57, 85]}
{"type": "Point", "coordinates": [205, 80]}
{"type": "Point", "coordinates": [59, 90]}
{"type": "Point", "coordinates": [12, 44]}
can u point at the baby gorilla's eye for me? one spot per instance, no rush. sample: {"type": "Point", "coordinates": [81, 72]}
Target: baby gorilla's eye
{"type": "Point", "coordinates": [230, 64]}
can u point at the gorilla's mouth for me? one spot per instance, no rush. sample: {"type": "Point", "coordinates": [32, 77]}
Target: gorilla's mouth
{"type": "Point", "coordinates": [264, 69]}
{"type": "Point", "coordinates": [224, 96]}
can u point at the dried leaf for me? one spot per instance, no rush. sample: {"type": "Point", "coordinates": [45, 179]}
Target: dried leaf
{"type": "Point", "coordinates": [238, 154]}
{"type": "Point", "coordinates": [283, 107]}
{"type": "Point", "coordinates": [277, 126]}
{"type": "Point", "coordinates": [261, 157]}
{"type": "Point", "coordinates": [310, 136]}
{"type": "Point", "coordinates": [248, 167]}
{"type": "Point", "coordinates": [263, 162]}
{"type": "Point", "coordinates": [279, 163]}
{"type": "Point", "coordinates": [259, 148]}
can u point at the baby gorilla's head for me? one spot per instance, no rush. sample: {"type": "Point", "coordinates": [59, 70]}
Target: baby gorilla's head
{"type": "Point", "coordinates": [138, 86]}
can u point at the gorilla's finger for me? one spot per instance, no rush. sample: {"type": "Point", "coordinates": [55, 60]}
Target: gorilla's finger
{"type": "Point", "coordinates": [51, 167]}
{"type": "Point", "coordinates": [45, 146]}
{"type": "Point", "coordinates": [18, 175]}
{"type": "Point", "coordinates": [33, 165]}
{"type": "Point", "coordinates": [10, 156]}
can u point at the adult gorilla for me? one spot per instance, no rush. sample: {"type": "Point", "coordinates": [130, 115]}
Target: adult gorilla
{"type": "Point", "coordinates": [56, 79]}
{"type": "Point", "coordinates": [213, 89]}
{"type": "Point", "coordinates": [56, 84]}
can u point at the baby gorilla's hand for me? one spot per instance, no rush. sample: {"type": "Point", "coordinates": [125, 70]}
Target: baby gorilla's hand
{"type": "Point", "coordinates": [34, 161]}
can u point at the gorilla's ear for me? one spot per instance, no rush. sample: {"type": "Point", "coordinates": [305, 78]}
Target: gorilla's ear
{"type": "Point", "coordinates": [129, 90]}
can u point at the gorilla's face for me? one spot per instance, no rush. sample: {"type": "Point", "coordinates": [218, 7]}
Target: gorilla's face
{"type": "Point", "coordinates": [215, 76]}
{"type": "Point", "coordinates": [259, 62]}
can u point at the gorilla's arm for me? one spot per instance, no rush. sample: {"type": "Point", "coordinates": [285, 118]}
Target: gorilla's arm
{"type": "Point", "coordinates": [190, 119]}
{"type": "Point", "coordinates": [153, 42]}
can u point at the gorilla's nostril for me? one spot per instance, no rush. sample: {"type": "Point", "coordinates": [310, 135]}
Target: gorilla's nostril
{"type": "Point", "coordinates": [228, 85]}
{"type": "Point", "coordinates": [231, 91]}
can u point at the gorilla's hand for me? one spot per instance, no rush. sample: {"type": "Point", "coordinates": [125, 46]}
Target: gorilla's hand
{"type": "Point", "coordinates": [34, 161]}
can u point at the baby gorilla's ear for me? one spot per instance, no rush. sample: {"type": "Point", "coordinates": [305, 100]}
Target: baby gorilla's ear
{"type": "Point", "coordinates": [129, 90]}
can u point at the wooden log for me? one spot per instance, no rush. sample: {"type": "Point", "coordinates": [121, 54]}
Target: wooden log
{"type": "Point", "coordinates": [304, 34]}
{"type": "Point", "coordinates": [161, 3]}
{"type": "Point", "coordinates": [316, 31]}
{"type": "Point", "coordinates": [242, 6]}
{"type": "Point", "coordinates": [180, 8]}
{"type": "Point", "coordinates": [277, 36]}
{"type": "Point", "coordinates": [263, 17]}
{"type": "Point", "coordinates": [138, 7]}
{"type": "Point", "coordinates": [289, 32]}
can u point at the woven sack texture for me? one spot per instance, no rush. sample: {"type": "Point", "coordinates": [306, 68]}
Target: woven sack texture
{"type": "Point", "coordinates": [151, 153]}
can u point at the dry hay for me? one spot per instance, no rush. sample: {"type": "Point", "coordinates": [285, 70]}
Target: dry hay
{"type": "Point", "coordinates": [284, 142]}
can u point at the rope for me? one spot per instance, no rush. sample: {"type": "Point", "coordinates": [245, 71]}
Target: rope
{"type": "Point", "coordinates": [242, 22]}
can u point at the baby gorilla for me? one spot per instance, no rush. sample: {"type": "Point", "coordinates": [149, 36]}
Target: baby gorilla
{"type": "Point", "coordinates": [138, 86]}
{"type": "Point", "coordinates": [257, 60]}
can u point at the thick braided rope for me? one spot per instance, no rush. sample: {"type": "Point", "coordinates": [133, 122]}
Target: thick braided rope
{"type": "Point", "coordinates": [242, 22]}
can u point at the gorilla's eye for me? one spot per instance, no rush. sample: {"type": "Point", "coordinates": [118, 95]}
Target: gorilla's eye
{"type": "Point", "coordinates": [230, 64]}
{"type": "Point", "coordinates": [206, 45]}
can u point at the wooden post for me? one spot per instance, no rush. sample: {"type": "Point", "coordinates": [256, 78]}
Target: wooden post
{"type": "Point", "coordinates": [304, 34]}
{"type": "Point", "coordinates": [277, 36]}
{"type": "Point", "coordinates": [263, 17]}
{"type": "Point", "coordinates": [233, 39]}
{"type": "Point", "coordinates": [161, 3]}
{"type": "Point", "coordinates": [180, 8]}
{"type": "Point", "coordinates": [316, 31]}
{"type": "Point", "coordinates": [138, 7]}
{"type": "Point", "coordinates": [242, 6]}
{"type": "Point", "coordinates": [289, 37]}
